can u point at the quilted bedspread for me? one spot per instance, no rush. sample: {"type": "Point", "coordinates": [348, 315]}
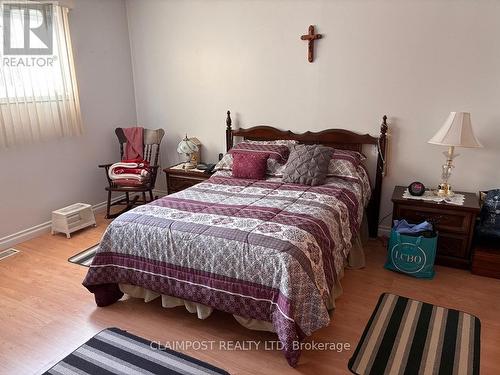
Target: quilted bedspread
{"type": "Point", "coordinates": [260, 249]}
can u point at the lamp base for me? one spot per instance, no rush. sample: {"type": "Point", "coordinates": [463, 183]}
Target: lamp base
{"type": "Point", "coordinates": [188, 165]}
{"type": "Point", "coordinates": [444, 190]}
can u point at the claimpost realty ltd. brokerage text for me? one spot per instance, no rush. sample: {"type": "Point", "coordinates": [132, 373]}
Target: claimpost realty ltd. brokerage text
{"type": "Point", "coordinates": [230, 345]}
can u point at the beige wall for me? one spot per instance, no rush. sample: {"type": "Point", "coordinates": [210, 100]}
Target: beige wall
{"type": "Point", "coordinates": [39, 178]}
{"type": "Point", "coordinates": [193, 60]}
{"type": "Point", "coordinates": [413, 60]}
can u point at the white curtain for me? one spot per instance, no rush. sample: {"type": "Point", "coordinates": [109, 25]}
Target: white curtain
{"type": "Point", "coordinates": [39, 98]}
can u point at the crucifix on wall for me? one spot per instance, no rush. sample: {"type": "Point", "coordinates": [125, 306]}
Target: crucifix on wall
{"type": "Point", "coordinates": [311, 37]}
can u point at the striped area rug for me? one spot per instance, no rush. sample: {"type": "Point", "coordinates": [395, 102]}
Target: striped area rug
{"type": "Point", "coordinates": [113, 351]}
{"type": "Point", "coordinates": [408, 337]}
{"type": "Point", "coordinates": [85, 257]}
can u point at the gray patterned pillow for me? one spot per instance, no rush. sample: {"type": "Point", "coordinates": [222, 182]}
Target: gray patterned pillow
{"type": "Point", "coordinates": [307, 164]}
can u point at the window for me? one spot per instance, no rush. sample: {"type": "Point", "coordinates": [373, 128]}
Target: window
{"type": "Point", "coordinates": [38, 88]}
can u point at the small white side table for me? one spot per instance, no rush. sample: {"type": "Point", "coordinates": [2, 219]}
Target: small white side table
{"type": "Point", "coordinates": [72, 218]}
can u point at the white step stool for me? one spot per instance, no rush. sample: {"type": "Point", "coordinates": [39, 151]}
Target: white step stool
{"type": "Point", "coordinates": [72, 218]}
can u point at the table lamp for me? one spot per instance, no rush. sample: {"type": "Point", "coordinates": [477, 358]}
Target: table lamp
{"type": "Point", "coordinates": [187, 147]}
{"type": "Point", "coordinates": [455, 132]}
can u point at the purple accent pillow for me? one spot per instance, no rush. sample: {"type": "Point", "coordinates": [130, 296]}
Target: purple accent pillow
{"type": "Point", "coordinates": [249, 165]}
{"type": "Point", "coordinates": [276, 152]}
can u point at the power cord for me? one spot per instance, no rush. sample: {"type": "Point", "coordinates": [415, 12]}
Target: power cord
{"type": "Point", "coordinates": [385, 217]}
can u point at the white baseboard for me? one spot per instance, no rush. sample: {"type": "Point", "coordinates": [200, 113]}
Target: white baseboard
{"type": "Point", "coordinates": [37, 230]}
{"type": "Point", "coordinates": [24, 235]}
{"type": "Point", "coordinates": [160, 193]}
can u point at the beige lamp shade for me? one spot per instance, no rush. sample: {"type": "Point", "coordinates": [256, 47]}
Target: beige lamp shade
{"type": "Point", "coordinates": [456, 131]}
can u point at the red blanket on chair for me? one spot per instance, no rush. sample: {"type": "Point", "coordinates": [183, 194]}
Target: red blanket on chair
{"type": "Point", "coordinates": [134, 148]}
{"type": "Point", "coordinates": [134, 169]}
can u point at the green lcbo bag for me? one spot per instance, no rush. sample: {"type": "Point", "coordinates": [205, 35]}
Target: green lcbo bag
{"type": "Point", "coordinates": [412, 255]}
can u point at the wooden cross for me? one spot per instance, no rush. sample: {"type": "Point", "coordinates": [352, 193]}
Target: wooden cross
{"type": "Point", "coordinates": [311, 37]}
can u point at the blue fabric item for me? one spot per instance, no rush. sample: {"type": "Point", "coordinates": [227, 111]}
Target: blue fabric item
{"type": "Point", "coordinates": [403, 227]}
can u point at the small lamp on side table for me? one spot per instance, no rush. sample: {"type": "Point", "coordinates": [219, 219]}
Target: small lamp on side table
{"type": "Point", "coordinates": [187, 147]}
{"type": "Point", "coordinates": [455, 132]}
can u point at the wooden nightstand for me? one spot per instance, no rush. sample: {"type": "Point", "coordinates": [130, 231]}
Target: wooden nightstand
{"type": "Point", "coordinates": [179, 179]}
{"type": "Point", "coordinates": [454, 223]}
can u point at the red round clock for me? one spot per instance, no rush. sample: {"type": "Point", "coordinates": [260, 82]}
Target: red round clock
{"type": "Point", "coordinates": [416, 188]}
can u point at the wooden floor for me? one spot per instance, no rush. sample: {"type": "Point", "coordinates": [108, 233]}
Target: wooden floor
{"type": "Point", "coordinates": [45, 312]}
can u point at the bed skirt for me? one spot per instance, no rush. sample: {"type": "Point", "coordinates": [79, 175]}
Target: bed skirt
{"type": "Point", "coordinates": [203, 311]}
{"type": "Point", "coordinates": [355, 260]}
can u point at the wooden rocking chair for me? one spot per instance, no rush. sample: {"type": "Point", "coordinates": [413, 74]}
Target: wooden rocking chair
{"type": "Point", "coordinates": [152, 140]}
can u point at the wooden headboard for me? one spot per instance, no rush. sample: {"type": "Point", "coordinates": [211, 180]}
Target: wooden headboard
{"type": "Point", "coordinates": [337, 138]}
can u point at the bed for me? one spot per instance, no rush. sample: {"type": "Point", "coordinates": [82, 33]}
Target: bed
{"type": "Point", "coordinates": [268, 252]}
